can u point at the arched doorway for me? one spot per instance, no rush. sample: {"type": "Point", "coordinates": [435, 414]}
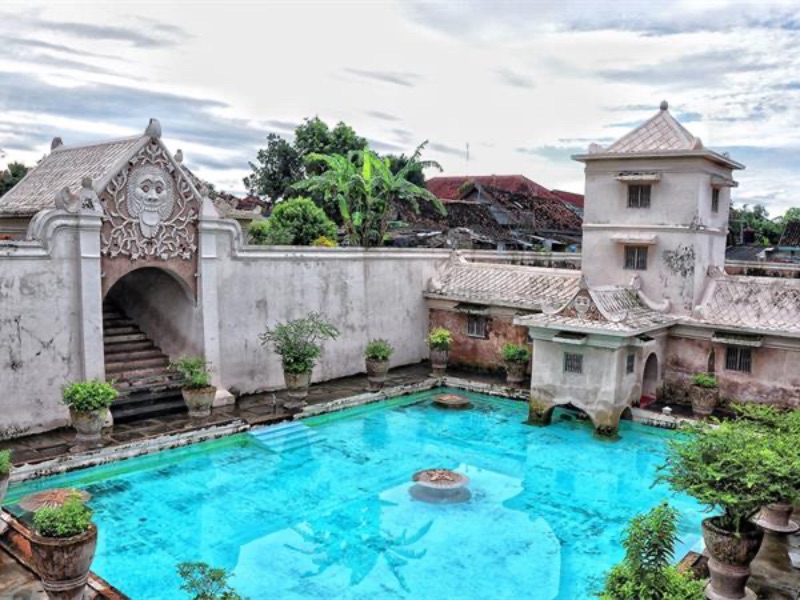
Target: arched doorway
{"type": "Point", "coordinates": [650, 377]}
{"type": "Point", "coordinates": [150, 317]}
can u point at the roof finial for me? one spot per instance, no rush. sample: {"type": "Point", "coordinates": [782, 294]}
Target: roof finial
{"type": "Point", "coordinates": [179, 156]}
{"type": "Point", "coordinates": [664, 105]}
{"type": "Point", "coordinates": [153, 129]}
{"type": "Point", "coordinates": [57, 141]}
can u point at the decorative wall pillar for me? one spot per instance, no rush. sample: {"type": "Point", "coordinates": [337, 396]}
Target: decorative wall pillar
{"type": "Point", "coordinates": [91, 304]}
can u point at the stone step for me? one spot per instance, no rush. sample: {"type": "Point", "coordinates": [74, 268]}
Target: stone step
{"type": "Point", "coordinates": [139, 374]}
{"type": "Point", "coordinates": [147, 397]}
{"type": "Point", "coordinates": [120, 330]}
{"type": "Point", "coordinates": [139, 412]}
{"type": "Point", "coordinates": [125, 362]}
{"type": "Point", "coordinates": [151, 384]}
{"type": "Point", "coordinates": [115, 358]}
{"type": "Point", "coordinates": [118, 339]}
{"type": "Point", "coordinates": [123, 322]}
{"type": "Point", "coordinates": [125, 347]}
{"type": "Point", "coordinates": [109, 315]}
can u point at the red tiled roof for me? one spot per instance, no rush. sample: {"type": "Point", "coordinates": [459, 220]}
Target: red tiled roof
{"type": "Point", "coordinates": [447, 188]}
{"type": "Point", "coordinates": [570, 198]}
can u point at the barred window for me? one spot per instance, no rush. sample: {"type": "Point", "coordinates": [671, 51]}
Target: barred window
{"type": "Point", "coordinates": [573, 363]}
{"type": "Point", "coordinates": [639, 196]}
{"type": "Point", "coordinates": [636, 258]}
{"type": "Point", "coordinates": [715, 200]}
{"type": "Point", "coordinates": [476, 326]}
{"type": "Point", "coordinates": [738, 359]}
{"type": "Point", "coordinates": [630, 363]}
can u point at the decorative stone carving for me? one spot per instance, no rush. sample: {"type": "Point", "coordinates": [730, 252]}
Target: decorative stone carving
{"type": "Point", "coordinates": [85, 199]}
{"type": "Point", "coordinates": [151, 209]}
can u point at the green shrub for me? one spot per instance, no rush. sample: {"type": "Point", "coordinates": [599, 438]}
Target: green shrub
{"type": "Point", "coordinates": [378, 350]}
{"type": "Point", "coordinates": [297, 222]}
{"type": "Point", "coordinates": [5, 462]}
{"type": "Point", "coordinates": [193, 371]}
{"type": "Point", "coordinates": [516, 354]}
{"type": "Point", "coordinates": [324, 242]}
{"type": "Point", "coordinates": [298, 342]}
{"type": "Point", "coordinates": [202, 582]}
{"type": "Point", "coordinates": [735, 467]}
{"type": "Point", "coordinates": [440, 339]}
{"type": "Point", "coordinates": [646, 572]}
{"type": "Point", "coordinates": [68, 520]}
{"type": "Point", "coordinates": [705, 380]}
{"type": "Point", "coordinates": [88, 396]}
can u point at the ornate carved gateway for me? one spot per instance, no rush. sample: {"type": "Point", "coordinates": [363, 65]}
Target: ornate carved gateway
{"type": "Point", "coordinates": [151, 216]}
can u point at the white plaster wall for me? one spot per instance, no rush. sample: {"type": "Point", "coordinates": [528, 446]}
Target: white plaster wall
{"type": "Point", "coordinates": [40, 335]}
{"type": "Point", "coordinates": [365, 293]}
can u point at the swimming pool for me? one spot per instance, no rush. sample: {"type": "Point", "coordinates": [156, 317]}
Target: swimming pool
{"type": "Point", "coordinates": [322, 509]}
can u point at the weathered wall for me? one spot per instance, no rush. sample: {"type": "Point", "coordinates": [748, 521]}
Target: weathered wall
{"type": "Point", "coordinates": [763, 269]}
{"type": "Point", "coordinates": [484, 354]}
{"type": "Point", "coordinates": [39, 332]}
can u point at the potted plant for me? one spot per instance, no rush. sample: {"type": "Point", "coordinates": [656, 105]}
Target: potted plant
{"type": "Point", "coordinates": [517, 359]}
{"type": "Point", "coordinates": [5, 472]}
{"type": "Point", "coordinates": [729, 467]}
{"type": "Point", "coordinates": [88, 403]}
{"type": "Point", "coordinates": [704, 395]}
{"type": "Point", "coordinates": [63, 543]}
{"type": "Point", "coordinates": [439, 341]}
{"type": "Point", "coordinates": [196, 388]}
{"type": "Point", "coordinates": [377, 355]}
{"type": "Point", "coordinates": [299, 343]}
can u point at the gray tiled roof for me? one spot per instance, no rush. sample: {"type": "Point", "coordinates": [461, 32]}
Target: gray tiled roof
{"type": "Point", "coordinates": [761, 304]}
{"type": "Point", "coordinates": [660, 133]}
{"type": "Point", "coordinates": [504, 285]}
{"type": "Point", "coordinates": [66, 167]}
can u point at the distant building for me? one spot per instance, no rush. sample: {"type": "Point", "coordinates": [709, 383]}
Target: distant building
{"type": "Point", "coordinates": [572, 200]}
{"type": "Point", "coordinates": [788, 249]}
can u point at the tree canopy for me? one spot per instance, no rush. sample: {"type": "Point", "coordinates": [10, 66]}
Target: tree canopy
{"type": "Point", "coordinates": [11, 176]}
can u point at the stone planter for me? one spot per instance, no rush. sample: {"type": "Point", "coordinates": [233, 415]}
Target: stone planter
{"type": "Point", "coordinates": [199, 401]}
{"type": "Point", "coordinates": [88, 425]}
{"type": "Point", "coordinates": [704, 400]}
{"type": "Point", "coordinates": [64, 563]}
{"type": "Point", "coordinates": [515, 372]}
{"type": "Point", "coordinates": [730, 560]}
{"type": "Point", "coordinates": [376, 373]}
{"type": "Point", "coordinates": [439, 362]}
{"type": "Point", "coordinates": [297, 385]}
{"type": "Point", "coordinates": [776, 518]}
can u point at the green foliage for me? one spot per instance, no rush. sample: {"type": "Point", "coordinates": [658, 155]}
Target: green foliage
{"type": "Point", "coordinates": [516, 354]}
{"type": "Point", "coordinates": [705, 380]}
{"type": "Point", "coordinates": [11, 176]}
{"type": "Point", "coordinates": [88, 396]}
{"type": "Point", "coordinates": [68, 520]}
{"type": "Point", "coordinates": [440, 339]}
{"type": "Point", "coordinates": [366, 191]}
{"type": "Point", "coordinates": [298, 341]}
{"type": "Point", "coordinates": [646, 573]}
{"type": "Point", "coordinates": [756, 218]}
{"type": "Point", "coordinates": [193, 371]}
{"type": "Point", "coordinates": [203, 582]}
{"type": "Point", "coordinates": [295, 222]}
{"type": "Point", "coordinates": [732, 466]}
{"type": "Point", "coordinates": [5, 462]}
{"type": "Point", "coordinates": [378, 350]}
{"type": "Point", "coordinates": [324, 242]}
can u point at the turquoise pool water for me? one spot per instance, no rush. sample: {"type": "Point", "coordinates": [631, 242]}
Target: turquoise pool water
{"type": "Point", "coordinates": [323, 510]}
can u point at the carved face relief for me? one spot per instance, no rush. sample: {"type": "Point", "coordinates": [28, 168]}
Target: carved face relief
{"type": "Point", "coordinates": [582, 304]}
{"type": "Point", "coordinates": [150, 198]}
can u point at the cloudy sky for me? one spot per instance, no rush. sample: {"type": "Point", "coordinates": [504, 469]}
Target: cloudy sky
{"type": "Point", "coordinates": [524, 83]}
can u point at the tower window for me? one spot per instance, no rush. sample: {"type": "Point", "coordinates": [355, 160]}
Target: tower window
{"type": "Point", "coordinates": [636, 258]}
{"type": "Point", "coordinates": [630, 363]}
{"type": "Point", "coordinates": [573, 363]}
{"type": "Point", "coordinates": [738, 359]}
{"type": "Point", "coordinates": [715, 200]}
{"type": "Point", "coordinates": [639, 196]}
{"type": "Point", "coordinates": [476, 326]}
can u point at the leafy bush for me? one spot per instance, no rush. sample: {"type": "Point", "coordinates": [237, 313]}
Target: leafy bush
{"type": "Point", "coordinates": [440, 339]}
{"type": "Point", "coordinates": [5, 462]}
{"type": "Point", "coordinates": [68, 520]}
{"type": "Point", "coordinates": [378, 350]}
{"type": "Point", "coordinates": [732, 466]}
{"type": "Point", "coordinates": [88, 396]}
{"type": "Point", "coordinates": [705, 380]}
{"type": "Point", "coordinates": [298, 222]}
{"type": "Point", "coordinates": [324, 242]}
{"type": "Point", "coordinates": [646, 572]}
{"type": "Point", "coordinates": [516, 354]}
{"type": "Point", "coordinates": [193, 371]}
{"type": "Point", "coordinates": [202, 582]}
{"type": "Point", "coordinates": [297, 342]}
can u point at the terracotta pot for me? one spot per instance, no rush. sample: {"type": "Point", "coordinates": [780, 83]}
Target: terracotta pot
{"type": "Point", "coordinates": [88, 425]}
{"type": "Point", "coordinates": [297, 384]}
{"type": "Point", "coordinates": [515, 372]}
{"type": "Point", "coordinates": [376, 373]}
{"type": "Point", "coordinates": [199, 401]}
{"type": "Point", "coordinates": [777, 518]}
{"type": "Point", "coordinates": [439, 362]}
{"type": "Point", "coordinates": [704, 400]}
{"type": "Point", "coordinates": [730, 560]}
{"type": "Point", "coordinates": [64, 563]}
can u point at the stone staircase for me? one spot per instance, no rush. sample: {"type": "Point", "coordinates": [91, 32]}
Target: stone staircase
{"type": "Point", "coordinates": [139, 370]}
{"type": "Point", "coordinates": [287, 437]}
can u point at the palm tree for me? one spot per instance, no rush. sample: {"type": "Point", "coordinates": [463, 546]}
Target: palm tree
{"type": "Point", "coordinates": [366, 191]}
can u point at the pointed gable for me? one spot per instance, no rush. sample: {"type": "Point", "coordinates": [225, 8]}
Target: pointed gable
{"type": "Point", "coordinates": [660, 133]}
